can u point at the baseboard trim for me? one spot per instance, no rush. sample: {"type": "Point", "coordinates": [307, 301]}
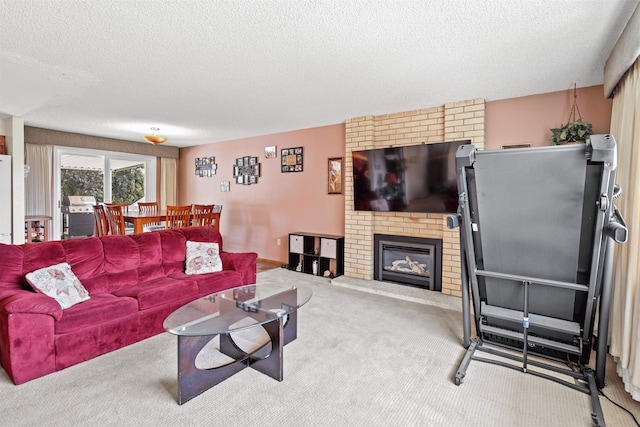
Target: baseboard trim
{"type": "Point", "coordinates": [270, 261]}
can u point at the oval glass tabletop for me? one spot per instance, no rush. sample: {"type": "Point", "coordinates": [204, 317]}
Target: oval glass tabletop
{"type": "Point", "coordinates": [237, 308]}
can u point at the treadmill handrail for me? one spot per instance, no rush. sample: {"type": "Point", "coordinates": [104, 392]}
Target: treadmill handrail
{"type": "Point", "coordinates": [536, 280]}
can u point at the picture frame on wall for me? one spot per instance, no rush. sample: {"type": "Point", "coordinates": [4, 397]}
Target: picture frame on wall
{"type": "Point", "coordinates": [246, 170]}
{"type": "Point", "coordinates": [205, 166]}
{"type": "Point", "coordinates": [334, 175]}
{"type": "Point", "coordinates": [225, 186]}
{"type": "Point", "coordinates": [292, 159]}
{"type": "Point", "coordinates": [270, 152]}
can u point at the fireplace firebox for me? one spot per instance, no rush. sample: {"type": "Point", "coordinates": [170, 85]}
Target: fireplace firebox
{"type": "Point", "coordinates": [414, 261]}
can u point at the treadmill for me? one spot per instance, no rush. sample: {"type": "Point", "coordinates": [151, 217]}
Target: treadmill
{"type": "Point", "coordinates": [538, 228]}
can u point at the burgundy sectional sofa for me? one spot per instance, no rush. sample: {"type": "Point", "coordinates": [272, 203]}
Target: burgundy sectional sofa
{"type": "Point", "coordinates": [134, 283]}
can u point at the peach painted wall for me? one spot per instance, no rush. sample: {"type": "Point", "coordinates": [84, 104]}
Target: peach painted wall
{"type": "Point", "coordinates": [255, 216]}
{"type": "Point", "coordinates": [527, 119]}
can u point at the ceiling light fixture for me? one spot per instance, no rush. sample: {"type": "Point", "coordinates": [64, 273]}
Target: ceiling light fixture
{"type": "Point", "coordinates": [154, 139]}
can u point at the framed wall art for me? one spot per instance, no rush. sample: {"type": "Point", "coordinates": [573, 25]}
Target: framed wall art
{"type": "Point", "coordinates": [270, 152]}
{"type": "Point", "coordinates": [206, 166]}
{"type": "Point", "coordinates": [334, 175]}
{"type": "Point", "coordinates": [291, 159]}
{"type": "Point", "coordinates": [246, 170]}
{"type": "Point", "coordinates": [224, 186]}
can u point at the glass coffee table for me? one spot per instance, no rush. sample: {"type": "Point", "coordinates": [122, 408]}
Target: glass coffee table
{"type": "Point", "coordinates": [227, 314]}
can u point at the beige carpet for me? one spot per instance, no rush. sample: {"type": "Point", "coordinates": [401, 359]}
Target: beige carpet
{"type": "Point", "coordinates": [360, 359]}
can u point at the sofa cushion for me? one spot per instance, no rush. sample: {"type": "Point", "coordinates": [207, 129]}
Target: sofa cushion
{"type": "Point", "coordinates": [174, 246]}
{"type": "Point", "coordinates": [213, 282]}
{"type": "Point", "coordinates": [121, 261]}
{"type": "Point", "coordinates": [207, 233]}
{"type": "Point", "coordinates": [202, 258]}
{"type": "Point", "coordinates": [58, 282]}
{"type": "Point", "coordinates": [150, 250]}
{"type": "Point", "coordinates": [159, 292]}
{"type": "Point", "coordinates": [42, 254]}
{"type": "Point", "coordinates": [101, 308]}
{"type": "Point", "coordinates": [86, 258]}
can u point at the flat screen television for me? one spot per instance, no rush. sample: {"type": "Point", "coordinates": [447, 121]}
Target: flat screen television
{"type": "Point", "coordinates": [414, 178]}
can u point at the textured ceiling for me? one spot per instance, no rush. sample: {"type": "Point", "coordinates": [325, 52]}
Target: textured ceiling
{"type": "Point", "coordinates": [213, 70]}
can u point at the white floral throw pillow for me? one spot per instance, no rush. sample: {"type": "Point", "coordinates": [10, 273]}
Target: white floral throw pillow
{"type": "Point", "coordinates": [58, 282]}
{"type": "Point", "coordinates": [202, 257]}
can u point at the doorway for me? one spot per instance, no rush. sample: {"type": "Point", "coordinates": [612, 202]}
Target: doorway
{"type": "Point", "coordinates": [110, 177]}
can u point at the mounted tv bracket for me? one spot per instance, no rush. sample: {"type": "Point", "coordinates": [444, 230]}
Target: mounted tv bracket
{"type": "Point", "coordinates": [533, 269]}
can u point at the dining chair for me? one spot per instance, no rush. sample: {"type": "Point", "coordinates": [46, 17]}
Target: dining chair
{"type": "Point", "coordinates": [217, 211]}
{"type": "Point", "coordinates": [100, 220]}
{"type": "Point", "coordinates": [128, 228]}
{"type": "Point", "coordinates": [125, 206]}
{"type": "Point", "coordinates": [151, 207]}
{"type": "Point", "coordinates": [116, 220]}
{"type": "Point", "coordinates": [202, 215]}
{"type": "Point", "coordinates": [148, 207]}
{"type": "Point", "coordinates": [178, 216]}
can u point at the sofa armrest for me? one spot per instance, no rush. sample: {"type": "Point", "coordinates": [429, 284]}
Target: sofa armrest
{"type": "Point", "coordinates": [27, 335]}
{"type": "Point", "coordinates": [31, 303]}
{"type": "Point", "coordinates": [242, 262]}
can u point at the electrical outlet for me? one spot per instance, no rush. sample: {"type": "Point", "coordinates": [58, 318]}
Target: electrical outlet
{"type": "Point", "coordinates": [278, 242]}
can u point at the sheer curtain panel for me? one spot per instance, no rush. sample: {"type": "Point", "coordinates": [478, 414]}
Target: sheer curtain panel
{"type": "Point", "coordinates": [38, 185]}
{"type": "Point", "coordinates": [625, 310]}
{"type": "Point", "coordinates": [168, 179]}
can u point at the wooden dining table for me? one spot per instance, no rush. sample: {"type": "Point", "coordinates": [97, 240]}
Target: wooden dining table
{"type": "Point", "coordinates": [140, 219]}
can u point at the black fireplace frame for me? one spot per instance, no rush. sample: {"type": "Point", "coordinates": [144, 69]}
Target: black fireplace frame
{"type": "Point", "coordinates": [435, 284]}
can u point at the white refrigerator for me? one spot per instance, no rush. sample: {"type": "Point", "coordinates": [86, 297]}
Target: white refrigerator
{"type": "Point", "coordinates": [5, 199]}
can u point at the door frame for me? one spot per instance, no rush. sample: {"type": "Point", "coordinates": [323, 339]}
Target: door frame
{"type": "Point", "coordinates": [106, 156]}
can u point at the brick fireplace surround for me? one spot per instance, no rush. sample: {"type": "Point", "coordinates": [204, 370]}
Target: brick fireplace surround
{"type": "Point", "coordinates": [454, 121]}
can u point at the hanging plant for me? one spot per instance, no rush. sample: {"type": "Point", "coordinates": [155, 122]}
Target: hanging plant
{"type": "Point", "coordinates": [576, 130]}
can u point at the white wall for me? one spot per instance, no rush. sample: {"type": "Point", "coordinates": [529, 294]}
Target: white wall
{"type": "Point", "coordinates": [13, 129]}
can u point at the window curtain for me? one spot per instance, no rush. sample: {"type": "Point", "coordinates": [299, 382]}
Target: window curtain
{"type": "Point", "coordinates": [625, 309]}
{"type": "Point", "coordinates": [624, 54]}
{"type": "Point", "coordinates": [168, 179]}
{"type": "Point", "coordinates": [38, 185]}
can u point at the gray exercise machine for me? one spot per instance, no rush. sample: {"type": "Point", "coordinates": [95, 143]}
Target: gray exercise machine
{"type": "Point", "coordinates": [537, 232]}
